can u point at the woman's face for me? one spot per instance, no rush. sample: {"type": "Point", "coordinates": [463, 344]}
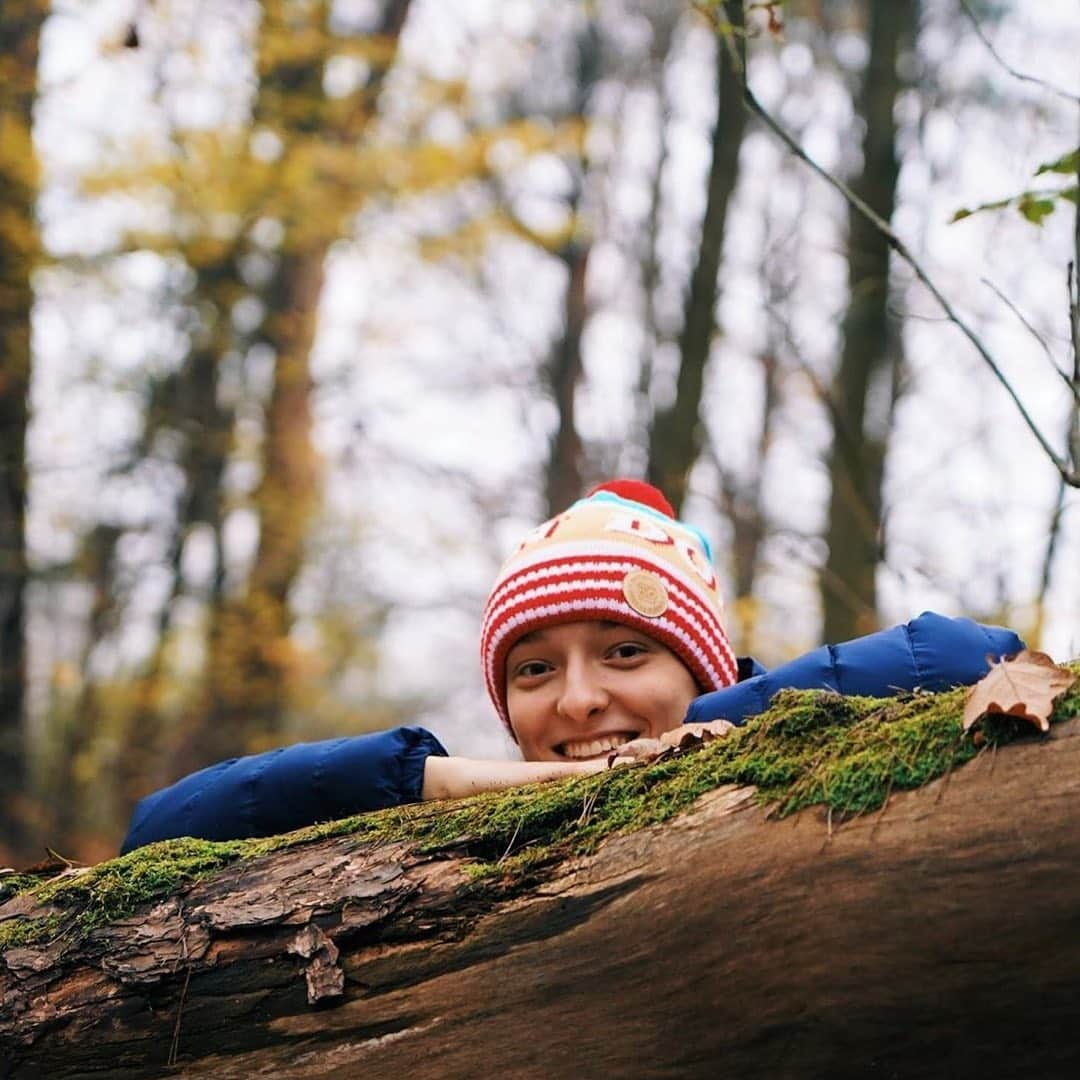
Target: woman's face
{"type": "Point", "coordinates": [579, 690]}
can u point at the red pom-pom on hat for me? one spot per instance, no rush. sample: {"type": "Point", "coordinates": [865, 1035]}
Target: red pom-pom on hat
{"type": "Point", "coordinates": [637, 491]}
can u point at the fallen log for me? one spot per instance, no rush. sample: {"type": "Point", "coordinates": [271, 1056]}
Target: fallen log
{"type": "Point", "coordinates": [570, 930]}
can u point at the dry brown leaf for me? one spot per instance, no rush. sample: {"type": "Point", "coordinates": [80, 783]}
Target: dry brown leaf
{"type": "Point", "coordinates": [1025, 685]}
{"type": "Point", "coordinates": [637, 752]}
{"type": "Point", "coordinates": [691, 736]}
{"type": "Point", "coordinates": [683, 739]}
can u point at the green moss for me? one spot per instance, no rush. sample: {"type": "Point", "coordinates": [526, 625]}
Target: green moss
{"type": "Point", "coordinates": [810, 748]}
{"type": "Point", "coordinates": [18, 932]}
{"type": "Point", "coordinates": [12, 884]}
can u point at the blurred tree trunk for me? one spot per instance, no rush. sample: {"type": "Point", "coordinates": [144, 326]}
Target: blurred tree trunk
{"type": "Point", "coordinates": [865, 385]}
{"type": "Point", "coordinates": [675, 437]}
{"type": "Point", "coordinates": [564, 479]}
{"type": "Point", "coordinates": [743, 500]}
{"type": "Point", "coordinates": [185, 404]}
{"type": "Point", "coordinates": [190, 403]}
{"type": "Point", "coordinates": [72, 730]}
{"type": "Point", "coordinates": [741, 492]}
{"type": "Point", "coordinates": [653, 332]}
{"type": "Point", "coordinates": [250, 658]}
{"type": "Point", "coordinates": [249, 652]}
{"type": "Point", "coordinates": [20, 26]}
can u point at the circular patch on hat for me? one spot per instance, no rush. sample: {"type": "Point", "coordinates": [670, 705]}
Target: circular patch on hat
{"type": "Point", "coordinates": [646, 593]}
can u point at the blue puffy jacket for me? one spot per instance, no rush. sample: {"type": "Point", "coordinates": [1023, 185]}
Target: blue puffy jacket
{"type": "Point", "coordinates": [284, 789]}
{"type": "Point", "coordinates": [931, 652]}
{"type": "Point", "coordinates": [299, 785]}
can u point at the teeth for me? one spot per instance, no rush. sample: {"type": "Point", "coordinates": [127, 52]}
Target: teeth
{"type": "Point", "coordinates": [592, 747]}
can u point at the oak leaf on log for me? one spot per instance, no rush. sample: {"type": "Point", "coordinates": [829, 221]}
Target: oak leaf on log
{"type": "Point", "coordinates": [1025, 685]}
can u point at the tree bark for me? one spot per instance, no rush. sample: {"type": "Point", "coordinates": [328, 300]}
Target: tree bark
{"type": "Point", "coordinates": [675, 436]}
{"type": "Point", "coordinates": [20, 25]}
{"type": "Point", "coordinates": [743, 500]}
{"type": "Point", "coordinates": [564, 481]}
{"type": "Point", "coordinates": [936, 937]}
{"type": "Point", "coordinates": [872, 355]}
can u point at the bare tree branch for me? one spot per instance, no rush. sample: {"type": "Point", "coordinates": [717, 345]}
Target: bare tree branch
{"type": "Point", "coordinates": [1069, 473]}
{"type": "Point", "coordinates": [1074, 326]}
{"type": "Point", "coordinates": [1056, 516]}
{"type": "Point", "coordinates": [981, 35]}
{"type": "Point", "coordinates": [1074, 389]}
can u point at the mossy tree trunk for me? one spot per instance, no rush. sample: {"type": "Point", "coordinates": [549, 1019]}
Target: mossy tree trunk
{"type": "Point", "coordinates": [935, 937]}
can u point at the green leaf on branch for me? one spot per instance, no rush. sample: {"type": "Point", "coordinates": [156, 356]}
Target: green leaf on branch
{"type": "Point", "coordinates": [1035, 208]}
{"type": "Point", "coordinates": [1066, 164]}
{"type": "Point", "coordinates": [966, 213]}
{"type": "Point", "coordinates": [1034, 205]}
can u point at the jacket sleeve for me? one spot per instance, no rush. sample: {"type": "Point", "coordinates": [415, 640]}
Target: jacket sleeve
{"type": "Point", "coordinates": [288, 788]}
{"type": "Point", "coordinates": [932, 652]}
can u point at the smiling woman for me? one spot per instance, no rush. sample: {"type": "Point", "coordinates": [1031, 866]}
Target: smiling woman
{"type": "Point", "coordinates": [602, 637]}
{"type": "Point", "coordinates": [601, 629]}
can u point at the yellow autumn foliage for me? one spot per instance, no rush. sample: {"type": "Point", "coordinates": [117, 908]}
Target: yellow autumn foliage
{"type": "Point", "coordinates": [315, 186]}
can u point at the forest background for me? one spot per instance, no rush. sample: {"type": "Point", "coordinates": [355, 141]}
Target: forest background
{"type": "Point", "coordinates": [309, 308]}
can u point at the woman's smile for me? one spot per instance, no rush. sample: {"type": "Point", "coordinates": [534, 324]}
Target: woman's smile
{"type": "Point", "coordinates": [595, 746]}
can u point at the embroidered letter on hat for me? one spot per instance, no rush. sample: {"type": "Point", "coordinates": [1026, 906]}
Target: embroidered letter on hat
{"type": "Point", "coordinates": [638, 526]}
{"type": "Point", "coordinates": [645, 593]}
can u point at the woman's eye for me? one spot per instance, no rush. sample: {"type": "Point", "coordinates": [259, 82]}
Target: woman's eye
{"type": "Point", "coordinates": [627, 650]}
{"type": "Point", "coordinates": [531, 669]}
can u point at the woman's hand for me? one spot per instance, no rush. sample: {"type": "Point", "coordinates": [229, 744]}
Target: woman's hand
{"type": "Point", "coordinates": [456, 777]}
{"type": "Point", "coordinates": [684, 737]}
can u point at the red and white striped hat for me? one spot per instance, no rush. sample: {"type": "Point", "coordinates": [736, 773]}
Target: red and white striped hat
{"type": "Point", "coordinates": [618, 554]}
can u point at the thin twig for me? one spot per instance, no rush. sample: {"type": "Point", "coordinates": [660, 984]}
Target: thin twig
{"type": "Point", "coordinates": [948, 774]}
{"type": "Point", "coordinates": [587, 806]}
{"type": "Point", "coordinates": [1073, 429]}
{"type": "Point", "coordinates": [174, 1047]}
{"type": "Point", "coordinates": [183, 954]}
{"type": "Point", "coordinates": [884, 807]}
{"type": "Point", "coordinates": [1073, 282]}
{"type": "Point", "coordinates": [1048, 563]}
{"type": "Point", "coordinates": [1074, 390]}
{"type": "Point", "coordinates": [1069, 474]}
{"type": "Point", "coordinates": [517, 829]}
{"type": "Point", "coordinates": [981, 35]}
{"type": "Point", "coordinates": [1073, 285]}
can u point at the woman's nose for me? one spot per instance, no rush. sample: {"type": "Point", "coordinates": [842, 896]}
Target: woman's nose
{"type": "Point", "coordinates": [582, 694]}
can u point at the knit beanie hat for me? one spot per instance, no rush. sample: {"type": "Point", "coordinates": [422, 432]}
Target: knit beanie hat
{"type": "Point", "coordinates": [619, 555]}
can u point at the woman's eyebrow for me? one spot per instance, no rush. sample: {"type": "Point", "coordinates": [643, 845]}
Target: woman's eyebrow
{"type": "Point", "coordinates": [530, 638]}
